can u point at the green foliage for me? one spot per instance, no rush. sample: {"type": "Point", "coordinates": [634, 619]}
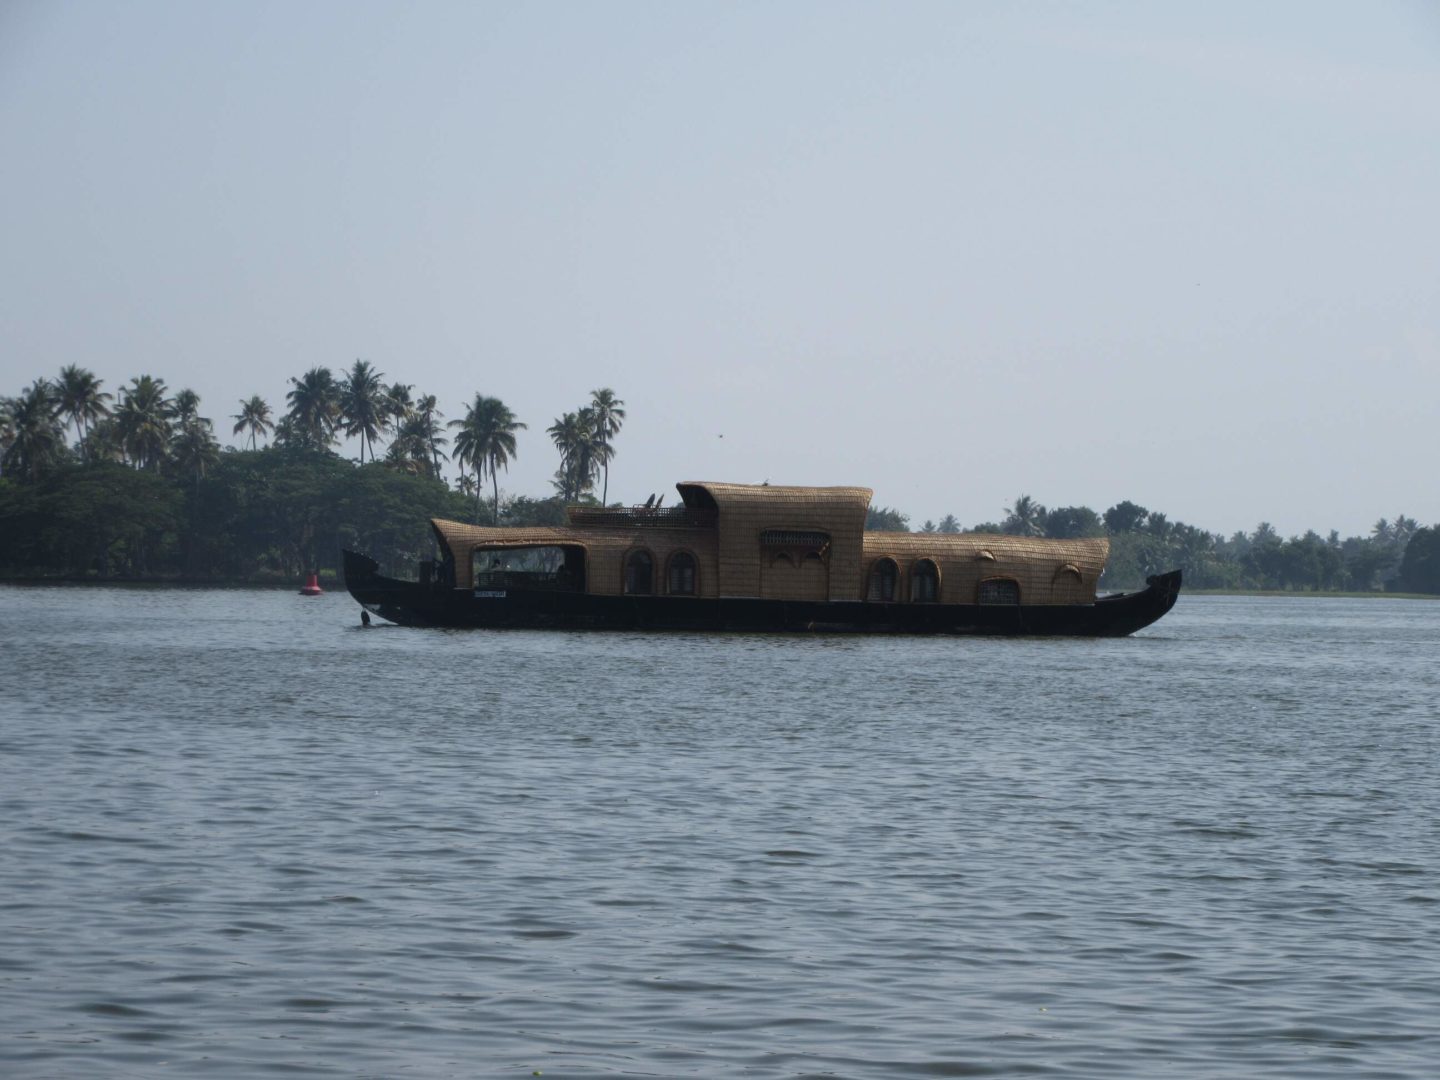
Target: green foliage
{"type": "Point", "coordinates": [1420, 567]}
{"type": "Point", "coordinates": [256, 515]}
{"type": "Point", "coordinates": [314, 411]}
{"type": "Point", "coordinates": [884, 519]}
{"type": "Point", "coordinates": [1025, 518]}
{"type": "Point", "coordinates": [1125, 517]}
{"type": "Point", "coordinates": [105, 520]}
{"type": "Point", "coordinates": [525, 511]}
{"type": "Point", "coordinates": [1069, 522]}
{"type": "Point", "coordinates": [486, 442]}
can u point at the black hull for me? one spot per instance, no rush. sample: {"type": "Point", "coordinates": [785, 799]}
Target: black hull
{"type": "Point", "coordinates": [412, 603]}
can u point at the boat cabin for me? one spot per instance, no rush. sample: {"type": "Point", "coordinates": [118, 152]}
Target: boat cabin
{"type": "Point", "coordinates": [749, 541]}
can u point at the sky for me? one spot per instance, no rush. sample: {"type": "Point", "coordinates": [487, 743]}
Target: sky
{"type": "Point", "coordinates": [1182, 254]}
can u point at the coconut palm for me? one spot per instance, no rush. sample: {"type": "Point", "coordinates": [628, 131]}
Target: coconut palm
{"type": "Point", "coordinates": [79, 398]}
{"type": "Point", "coordinates": [581, 453]}
{"type": "Point", "coordinates": [102, 442]}
{"type": "Point", "coordinates": [314, 409]}
{"type": "Point", "coordinates": [33, 439]}
{"type": "Point", "coordinates": [184, 407]}
{"type": "Point", "coordinates": [1026, 518]}
{"type": "Point", "coordinates": [609, 413]}
{"type": "Point", "coordinates": [398, 402]}
{"type": "Point", "coordinates": [363, 405]}
{"type": "Point", "coordinates": [254, 415]}
{"type": "Point", "coordinates": [410, 448]}
{"type": "Point", "coordinates": [486, 442]}
{"type": "Point", "coordinates": [7, 425]}
{"type": "Point", "coordinates": [194, 448]}
{"type": "Point", "coordinates": [430, 417]}
{"type": "Point", "coordinates": [143, 421]}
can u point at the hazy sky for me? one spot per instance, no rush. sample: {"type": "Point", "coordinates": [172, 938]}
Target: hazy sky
{"type": "Point", "coordinates": [1185, 254]}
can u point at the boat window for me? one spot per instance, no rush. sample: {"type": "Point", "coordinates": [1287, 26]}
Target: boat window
{"type": "Point", "coordinates": [999, 591]}
{"type": "Point", "coordinates": [538, 566]}
{"type": "Point", "coordinates": [639, 572]}
{"type": "Point", "coordinates": [682, 574]}
{"type": "Point", "coordinates": [883, 573]}
{"type": "Point", "coordinates": [924, 582]}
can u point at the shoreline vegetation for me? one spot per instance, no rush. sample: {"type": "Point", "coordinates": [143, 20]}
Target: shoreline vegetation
{"type": "Point", "coordinates": [135, 488]}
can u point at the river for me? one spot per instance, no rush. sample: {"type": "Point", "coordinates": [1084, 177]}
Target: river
{"type": "Point", "coordinates": [243, 837]}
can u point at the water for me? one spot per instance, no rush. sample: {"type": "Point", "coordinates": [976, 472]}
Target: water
{"type": "Point", "coordinates": [242, 836]}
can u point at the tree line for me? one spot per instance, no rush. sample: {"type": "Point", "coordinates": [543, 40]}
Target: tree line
{"type": "Point", "coordinates": [136, 484]}
{"type": "Point", "coordinates": [149, 429]}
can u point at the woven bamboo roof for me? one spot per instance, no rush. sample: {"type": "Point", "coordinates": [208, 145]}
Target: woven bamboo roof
{"type": "Point", "coordinates": [975, 545]}
{"type": "Point", "coordinates": [730, 495]}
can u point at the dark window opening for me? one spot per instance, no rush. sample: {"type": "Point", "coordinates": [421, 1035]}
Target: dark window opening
{"type": "Point", "coordinates": [639, 573]}
{"type": "Point", "coordinates": [999, 591]}
{"type": "Point", "coordinates": [924, 582]}
{"type": "Point", "coordinates": [541, 566]}
{"type": "Point", "coordinates": [883, 574]}
{"type": "Point", "coordinates": [682, 574]}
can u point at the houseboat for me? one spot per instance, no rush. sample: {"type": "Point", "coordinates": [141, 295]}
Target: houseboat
{"type": "Point", "coordinates": [757, 558]}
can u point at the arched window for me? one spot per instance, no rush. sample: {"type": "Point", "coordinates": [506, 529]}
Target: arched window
{"type": "Point", "coordinates": [1000, 591]}
{"type": "Point", "coordinates": [681, 578]}
{"type": "Point", "coordinates": [639, 573]}
{"type": "Point", "coordinates": [883, 574]}
{"type": "Point", "coordinates": [924, 582]}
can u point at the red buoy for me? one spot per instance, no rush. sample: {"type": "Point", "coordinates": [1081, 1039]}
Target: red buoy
{"type": "Point", "coordinates": [312, 585]}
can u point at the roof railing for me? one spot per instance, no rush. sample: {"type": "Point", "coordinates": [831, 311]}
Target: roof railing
{"type": "Point", "coordinates": [643, 517]}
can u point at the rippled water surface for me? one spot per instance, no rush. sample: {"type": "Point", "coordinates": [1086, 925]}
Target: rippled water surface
{"type": "Point", "coordinates": [244, 837]}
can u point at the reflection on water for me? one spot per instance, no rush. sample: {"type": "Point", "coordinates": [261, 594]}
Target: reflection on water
{"type": "Point", "coordinates": [243, 835]}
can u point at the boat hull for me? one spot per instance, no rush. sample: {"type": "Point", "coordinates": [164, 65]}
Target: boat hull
{"type": "Point", "coordinates": [410, 603]}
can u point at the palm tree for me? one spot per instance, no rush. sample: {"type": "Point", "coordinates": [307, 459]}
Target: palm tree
{"type": "Point", "coordinates": [486, 441]}
{"type": "Point", "coordinates": [185, 406]}
{"type": "Point", "coordinates": [397, 402]}
{"type": "Point", "coordinates": [32, 437]}
{"type": "Point", "coordinates": [609, 413]}
{"type": "Point", "coordinates": [429, 417]}
{"type": "Point", "coordinates": [7, 427]}
{"type": "Point", "coordinates": [314, 408]}
{"type": "Point", "coordinates": [254, 415]}
{"type": "Point", "coordinates": [78, 396]}
{"type": "Point", "coordinates": [143, 421]}
{"type": "Point", "coordinates": [581, 453]}
{"type": "Point", "coordinates": [1026, 518]}
{"type": "Point", "coordinates": [194, 447]}
{"type": "Point", "coordinates": [410, 449]}
{"type": "Point", "coordinates": [103, 443]}
{"type": "Point", "coordinates": [363, 407]}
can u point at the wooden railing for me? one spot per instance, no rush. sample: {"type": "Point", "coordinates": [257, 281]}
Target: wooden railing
{"type": "Point", "coordinates": [643, 517]}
